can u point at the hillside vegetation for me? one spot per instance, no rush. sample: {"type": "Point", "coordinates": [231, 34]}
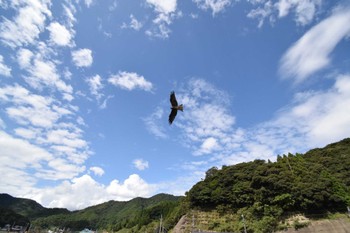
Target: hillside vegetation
{"type": "Point", "coordinates": [315, 183]}
{"type": "Point", "coordinates": [8, 216]}
{"type": "Point", "coordinates": [139, 213]}
{"type": "Point", "coordinates": [267, 194]}
{"type": "Point", "coordinates": [22, 210]}
{"type": "Point", "coordinates": [127, 216]}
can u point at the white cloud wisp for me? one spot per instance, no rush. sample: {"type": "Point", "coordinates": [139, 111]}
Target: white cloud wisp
{"type": "Point", "coordinates": [26, 26]}
{"type": "Point", "coordinates": [82, 57]}
{"type": "Point", "coordinates": [140, 164]}
{"type": "Point", "coordinates": [216, 6]}
{"type": "Point", "coordinates": [4, 69]}
{"type": "Point", "coordinates": [60, 35]}
{"type": "Point", "coordinates": [166, 13]}
{"type": "Point", "coordinates": [85, 191]}
{"type": "Point", "coordinates": [130, 81]}
{"type": "Point", "coordinates": [304, 10]}
{"type": "Point", "coordinates": [311, 52]}
{"type": "Point", "coordinates": [313, 119]}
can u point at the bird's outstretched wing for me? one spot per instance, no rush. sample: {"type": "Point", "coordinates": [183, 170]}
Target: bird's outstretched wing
{"type": "Point", "coordinates": [173, 100]}
{"type": "Point", "coordinates": [172, 115]}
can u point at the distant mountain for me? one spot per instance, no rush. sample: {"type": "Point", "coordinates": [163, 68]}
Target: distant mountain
{"type": "Point", "coordinates": [138, 211]}
{"type": "Point", "coordinates": [112, 215]}
{"type": "Point", "coordinates": [27, 208]}
{"type": "Point", "coordinates": [21, 211]}
{"type": "Point", "coordinates": [266, 193]}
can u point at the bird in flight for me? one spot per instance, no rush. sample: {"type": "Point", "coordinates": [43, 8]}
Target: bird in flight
{"type": "Point", "coordinates": [174, 107]}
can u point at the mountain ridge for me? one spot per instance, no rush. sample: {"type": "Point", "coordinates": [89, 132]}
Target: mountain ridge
{"type": "Point", "coordinates": [313, 184]}
{"type": "Point", "coordinates": [130, 212]}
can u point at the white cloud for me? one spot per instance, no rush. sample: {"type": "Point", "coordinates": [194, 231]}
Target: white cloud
{"type": "Point", "coordinates": [166, 13]}
{"type": "Point", "coordinates": [59, 34]}
{"type": "Point", "coordinates": [70, 11]}
{"type": "Point", "coordinates": [130, 81]}
{"type": "Point", "coordinates": [26, 26]}
{"type": "Point", "coordinates": [103, 105]}
{"type": "Point", "coordinates": [30, 108]}
{"type": "Point", "coordinates": [216, 6]}
{"type": "Point", "coordinates": [208, 146]}
{"type": "Point", "coordinates": [41, 70]}
{"type": "Point", "coordinates": [140, 164]}
{"type": "Point", "coordinates": [14, 152]}
{"type": "Point", "coordinates": [133, 186]}
{"type": "Point", "coordinates": [4, 69]}
{"type": "Point", "coordinates": [66, 138]}
{"type": "Point", "coordinates": [82, 57]}
{"type": "Point", "coordinates": [24, 57]}
{"type": "Point", "coordinates": [97, 171]}
{"type": "Point", "coordinates": [77, 193]}
{"type": "Point", "coordinates": [153, 124]}
{"type": "Point", "coordinates": [206, 117]}
{"type": "Point", "coordinates": [15, 162]}
{"type": "Point", "coordinates": [161, 31]}
{"type": "Point", "coordinates": [43, 73]}
{"type": "Point", "coordinates": [15, 179]}
{"type": "Point", "coordinates": [27, 133]}
{"type": "Point", "coordinates": [311, 52]}
{"type": "Point", "coordinates": [67, 74]}
{"type": "Point", "coordinates": [206, 120]}
{"type": "Point", "coordinates": [95, 85]}
{"type": "Point", "coordinates": [206, 124]}
{"type": "Point", "coordinates": [262, 13]}
{"type": "Point", "coordinates": [163, 6]}
{"type": "Point", "coordinates": [3, 4]}
{"type": "Point", "coordinates": [134, 24]}
{"type": "Point", "coordinates": [84, 191]}
{"type": "Point", "coordinates": [320, 117]}
{"type": "Point", "coordinates": [304, 10]}
{"type": "Point", "coordinates": [88, 3]}
{"type": "Point", "coordinates": [60, 169]}
{"type": "Point", "coordinates": [211, 119]}
{"type": "Point", "coordinates": [283, 7]}
{"type": "Point", "coordinates": [313, 119]}
{"type": "Point", "coordinates": [2, 124]}
{"type": "Point", "coordinates": [194, 16]}
{"type": "Point", "coordinates": [113, 6]}
{"type": "Point", "coordinates": [43, 123]}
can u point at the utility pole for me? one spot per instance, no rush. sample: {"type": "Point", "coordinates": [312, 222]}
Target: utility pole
{"type": "Point", "coordinates": [245, 229]}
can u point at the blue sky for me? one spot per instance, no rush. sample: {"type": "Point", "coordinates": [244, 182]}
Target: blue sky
{"type": "Point", "coordinates": [85, 84]}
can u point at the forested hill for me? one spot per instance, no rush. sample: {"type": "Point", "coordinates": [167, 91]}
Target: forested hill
{"type": "Point", "coordinates": [27, 207]}
{"type": "Point", "coordinates": [22, 210]}
{"type": "Point", "coordinates": [115, 215]}
{"type": "Point", "coordinates": [311, 183]}
{"type": "Point", "coordinates": [265, 192]}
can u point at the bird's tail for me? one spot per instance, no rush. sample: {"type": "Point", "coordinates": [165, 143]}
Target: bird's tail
{"type": "Point", "coordinates": [181, 107]}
